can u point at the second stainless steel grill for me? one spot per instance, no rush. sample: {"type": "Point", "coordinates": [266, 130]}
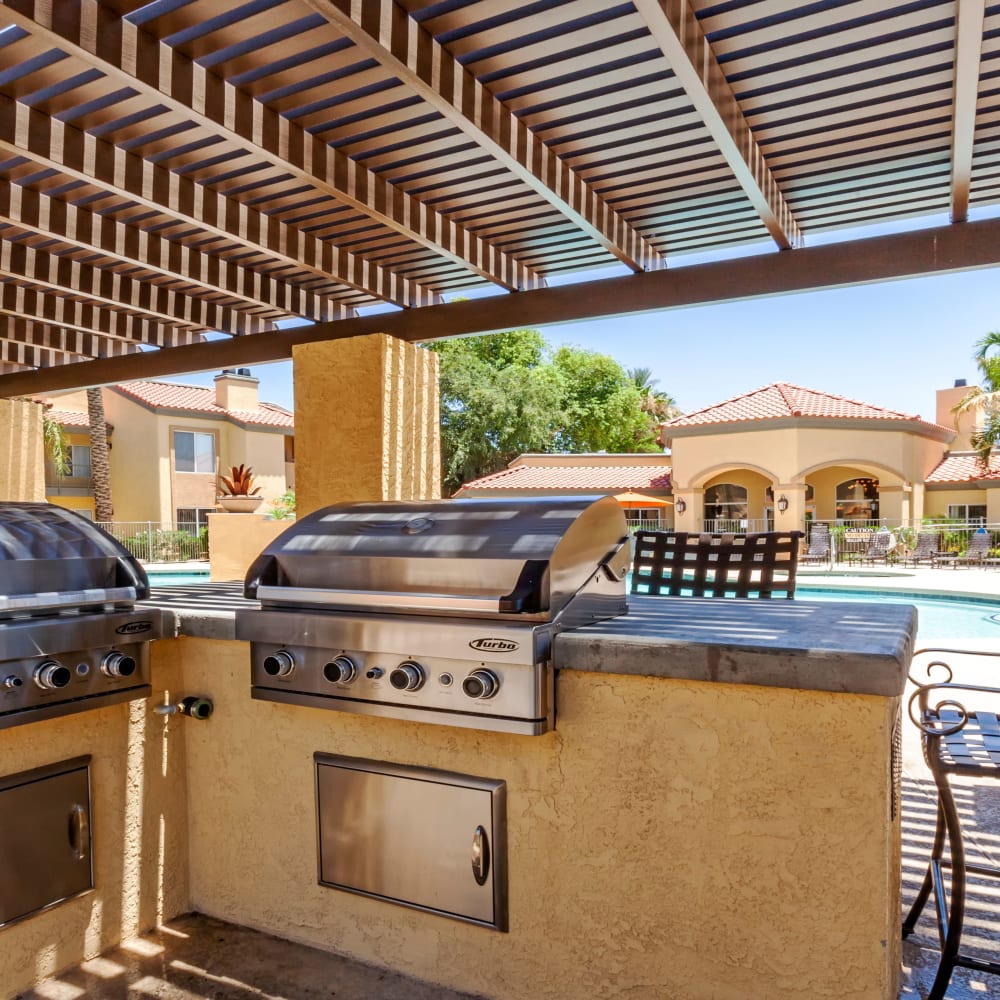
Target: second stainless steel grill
{"type": "Point", "coordinates": [70, 638]}
{"type": "Point", "coordinates": [439, 611]}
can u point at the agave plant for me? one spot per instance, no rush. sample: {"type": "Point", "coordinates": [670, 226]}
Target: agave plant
{"type": "Point", "coordinates": [239, 482]}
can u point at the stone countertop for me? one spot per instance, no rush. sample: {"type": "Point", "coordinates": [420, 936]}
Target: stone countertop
{"type": "Point", "coordinates": [861, 648]}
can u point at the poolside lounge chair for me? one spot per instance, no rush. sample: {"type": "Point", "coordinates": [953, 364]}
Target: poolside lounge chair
{"type": "Point", "coordinates": [926, 550]}
{"type": "Point", "coordinates": [819, 550]}
{"type": "Point", "coordinates": [979, 549]}
{"type": "Point", "coordinates": [683, 564]}
{"type": "Point", "coordinates": [881, 548]}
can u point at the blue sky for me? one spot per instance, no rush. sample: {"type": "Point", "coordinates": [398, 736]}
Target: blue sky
{"type": "Point", "coordinates": [892, 343]}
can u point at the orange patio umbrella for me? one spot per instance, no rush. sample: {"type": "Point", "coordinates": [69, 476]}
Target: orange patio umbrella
{"type": "Point", "coordinates": [631, 499]}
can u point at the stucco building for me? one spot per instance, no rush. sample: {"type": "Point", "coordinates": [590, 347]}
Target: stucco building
{"type": "Point", "coordinates": [169, 443]}
{"type": "Point", "coordinates": [782, 455]}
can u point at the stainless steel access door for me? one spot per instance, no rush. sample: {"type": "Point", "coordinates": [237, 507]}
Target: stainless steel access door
{"type": "Point", "coordinates": [433, 840]}
{"type": "Point", "coordinates": [44, 838]}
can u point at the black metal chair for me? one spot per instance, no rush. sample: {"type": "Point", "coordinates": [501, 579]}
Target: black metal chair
{"type": "Point", "coordinates": [686, 564]}
{"type": "Point", "coordinates": [820, 549]}
{"type": "Point", "coordinates": [956, 742]}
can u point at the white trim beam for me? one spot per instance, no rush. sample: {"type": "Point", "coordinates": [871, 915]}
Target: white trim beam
{"type": "Point", "coordinates": [969, 18]}
{"type": "Point", "coordinates": [673, 25]}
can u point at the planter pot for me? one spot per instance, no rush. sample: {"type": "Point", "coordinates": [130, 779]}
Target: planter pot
{"type": "Point", "coordinates": [240, 505]}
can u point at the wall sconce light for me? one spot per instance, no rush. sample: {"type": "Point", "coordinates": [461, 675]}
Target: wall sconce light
{"type": "Point", "coordinates": [680, 506]}
{"type": "Point", "coordinates": [782, 503]}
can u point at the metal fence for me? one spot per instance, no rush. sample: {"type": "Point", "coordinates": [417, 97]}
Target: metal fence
{"type": "Point", "coordinates": [154, 541]}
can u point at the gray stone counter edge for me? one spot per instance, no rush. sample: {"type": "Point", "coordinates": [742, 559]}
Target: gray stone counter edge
{"type": "Point", "coordinates": [818, 670]}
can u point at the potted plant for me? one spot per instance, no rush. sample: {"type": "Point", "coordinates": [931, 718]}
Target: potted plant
{"type": "Point", "coordinates": [239, 495]}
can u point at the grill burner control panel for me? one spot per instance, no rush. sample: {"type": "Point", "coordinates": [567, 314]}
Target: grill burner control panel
{"type": "Point", "coordinates": [48, 679]}
{"type": "Point", "coordinates": [503, 683]}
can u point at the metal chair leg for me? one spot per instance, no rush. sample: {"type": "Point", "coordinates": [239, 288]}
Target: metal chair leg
{"type": "Point", "coordinates": [925, 889]}
{"type": "Point", "coordinates": [950, 913]}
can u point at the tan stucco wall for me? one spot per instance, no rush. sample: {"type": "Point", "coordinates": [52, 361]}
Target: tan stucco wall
{"type": "Point", "coordinates": [965, 423]}
{"type": "Point", "coordinates": [670, 839]}
{"type": "Point", "coordinates": [139, 825]}
{"type": "Point", "coordinates": [366, 422]}
{"type": "Point", "coordinates": [235, 540]}
{"type": "Point", "coordinates": [22, 453]}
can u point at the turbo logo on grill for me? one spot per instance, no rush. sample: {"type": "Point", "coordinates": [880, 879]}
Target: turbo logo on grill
{"type": "Point", "coordinates": [494, 645]}
{"type": "Point", "coordinates": [134, 628]}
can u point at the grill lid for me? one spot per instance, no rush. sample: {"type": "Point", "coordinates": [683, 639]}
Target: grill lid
{"type": "Point", "coordinates": [472, 556]}
{"type": "Point", "coordinates": [55, 559]}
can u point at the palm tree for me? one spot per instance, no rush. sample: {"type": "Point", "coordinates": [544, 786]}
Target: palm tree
{"type": "Point", "coordinates": [100, 469]}
{"type": "Point", "coordinates": [657, 403]}
{"type": "Point", "coordinates": [56, 444]}
{"type": "Point", "coordinates": [986, 397]}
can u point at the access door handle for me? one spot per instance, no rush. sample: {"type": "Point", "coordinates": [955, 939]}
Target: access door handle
{"type": "Point", "coordinates": [79, 832]}
{"type": "Point", "coordinates": [480, 855]}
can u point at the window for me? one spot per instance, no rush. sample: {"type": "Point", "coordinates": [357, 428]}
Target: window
{"type": "Point", "coordinates": [974, 513]}
{"type": "Point", "coordinates": [192, 519]}
{"type": "Point", "coordinates": [79, 461]}
{"type": "Point", "coordinates": [726, 502]}
{"type": "Point", "coordinates": [857, 500]}
{"type": "Point", "coordinates": [194, 452]}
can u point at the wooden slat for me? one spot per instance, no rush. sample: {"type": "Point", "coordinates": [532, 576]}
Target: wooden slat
{"type": "Point", "coordinates": [130, 56]}
{"type": "Point", "coordinates": [674, 26]}
{"type": "Point", "coordinates": [20, 330]}
{"type": "Point", "coordinates": [212, 273]}
{"type": "Point", "coordinates": [385, 32]}
{"type": "Point", "coordinates": [17, 299]}
{"type": "Point", "coordinates": [111, 288]}
{"type": "Point", "coordinates": [904, 255]}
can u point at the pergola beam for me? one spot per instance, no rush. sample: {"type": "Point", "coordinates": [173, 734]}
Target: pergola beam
{"type": "Point", "coordinates": [904, 255]}
{"type": "Point", "coordinates": [20, 330]}
{"type": "Point", "coordinates": [674, 26]}
{"type": "Point", "coordinates": [77, 314]}
{"type": "Point", "coordinates": [385, 32]}
{"type": "Point", "coordinates": [79, 227]}
{"type": "Point", "coordinates": [969, 17]}
{"type": "Point", "coordinates": [21, 261]}
{"type": "Point", "coordinates": [132, 57]}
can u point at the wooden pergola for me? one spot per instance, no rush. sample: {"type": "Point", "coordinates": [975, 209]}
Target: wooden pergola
{"type": "Point", "coordinates": [191, 184]}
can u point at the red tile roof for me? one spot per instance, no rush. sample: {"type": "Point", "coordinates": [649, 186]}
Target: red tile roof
{"type": "Point", "coordinates": [68, 418]}
{"type": "Point", "coordinates": [782, 399]}
{"type": "Point", "coordinates": [197, 399]}
{"type": "Point", "coordinates": [964, 467]}
{"type": "Point", "coordinates": [580, 477]}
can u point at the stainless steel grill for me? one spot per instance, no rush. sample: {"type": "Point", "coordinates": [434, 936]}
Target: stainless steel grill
{"type": "Point", "coordinates": [70, 638]}
{"type": "Point", "coordinates": [439, 611]}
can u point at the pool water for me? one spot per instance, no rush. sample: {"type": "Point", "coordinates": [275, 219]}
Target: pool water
{"type": "Point", "coordinates": [938, 618]}
{"type": "Point", "coordinates": [161, 579]}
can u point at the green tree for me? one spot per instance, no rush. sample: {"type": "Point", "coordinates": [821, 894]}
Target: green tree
{"type": "Point", "coordinates": [986, 396]}
{"type": "Point", "coordinates": [56, 444]}
{"type": "Point", "coordinates": [658, 404]}
{"type": "Point", "coordinates": [508, 393]}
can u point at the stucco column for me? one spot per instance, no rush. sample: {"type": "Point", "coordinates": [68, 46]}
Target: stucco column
{"type": "Point", "coordinates": [366, 422]}
{"type": "Point", "coordinates": [894, 503]}
{"type": "Point", "coordinates": [692, 517]}
{"type": "Point", "coordinates": [22, 452]}
{"type": "Point", "coordinates": [794, 518]}
{"type": "Point", "coordinates": [918, 497]}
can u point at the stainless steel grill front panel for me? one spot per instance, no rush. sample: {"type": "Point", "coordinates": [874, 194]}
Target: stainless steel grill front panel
{"type": "Point", "coordinates": [437, 612]}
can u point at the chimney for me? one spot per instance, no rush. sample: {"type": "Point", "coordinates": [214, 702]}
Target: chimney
{"type": "Point", "coordinates": [963, 425]}
{"type": "Point", "coordinates": [236, 389]}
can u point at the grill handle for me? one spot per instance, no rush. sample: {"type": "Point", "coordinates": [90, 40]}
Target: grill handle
{"type": "Point", "coordinates": [377, 599]}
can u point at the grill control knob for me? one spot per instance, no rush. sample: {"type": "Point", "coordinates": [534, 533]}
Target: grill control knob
{"type": "Point", "coordinates": [50, 676]}
{"type": "Point", "coordinates": [481, 684]}
{"type": "Point", "coordinates": [408, 676]}
{"type": "Point", "coordinates": [118, 665]}
{"type": "Point", "coordinates": [340, 670]}
{"type": "Point", "coordinates": [279, 664]}
{"type": "Point", "coordinates": [11, 683]}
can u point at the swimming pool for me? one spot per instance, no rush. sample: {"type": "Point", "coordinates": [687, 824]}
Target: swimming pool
{"type": "Point", "coordinates": [939, 617]}
{"type": "Point", "coordinates": [161, 578]}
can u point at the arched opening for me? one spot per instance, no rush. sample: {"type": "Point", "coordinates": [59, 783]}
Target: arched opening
{"type": "Point", "coordinates": [726, 507]}
{"type": "Point", "coordinates": [857, 500]}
